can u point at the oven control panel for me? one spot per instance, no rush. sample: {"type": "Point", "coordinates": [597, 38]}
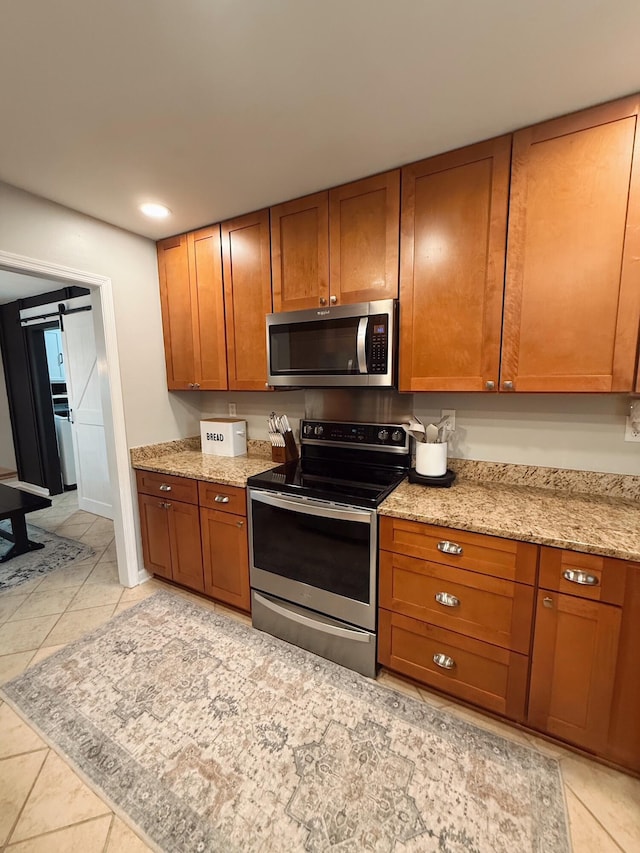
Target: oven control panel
{"type": "Point", "coordinates": [381, 436]}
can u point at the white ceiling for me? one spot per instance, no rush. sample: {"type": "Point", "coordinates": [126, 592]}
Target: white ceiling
{"type": "Point", "coordinates": [15, 285]}
{"type": "Point", "coordinates": [219, 107]}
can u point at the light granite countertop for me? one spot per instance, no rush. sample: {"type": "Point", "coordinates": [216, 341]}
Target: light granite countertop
{"type": "Point", "coordinates": [541, 505]}
{"type": "Point", "coordinates": [226, 470]}
{"type": "Point", "coordinates": [578, 522]}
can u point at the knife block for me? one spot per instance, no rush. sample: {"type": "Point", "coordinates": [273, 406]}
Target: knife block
{"type": "Point", "coordinates": [288, 453]}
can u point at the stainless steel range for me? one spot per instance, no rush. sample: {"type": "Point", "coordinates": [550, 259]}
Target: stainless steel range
{"type": "Point", "coordinates": [313, 538]}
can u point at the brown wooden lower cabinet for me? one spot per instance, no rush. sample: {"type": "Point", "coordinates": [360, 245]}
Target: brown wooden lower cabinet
{"type": "Point", "coordinates": [171, 540]}
{"type": "Point", "coordinates": [573, 673]}
{"type": "Point", "coordinates": [226, 558]}
{"type": "Point", "coordinates": [492, 677]}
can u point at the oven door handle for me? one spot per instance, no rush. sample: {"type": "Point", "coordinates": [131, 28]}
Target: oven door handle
{"type": "Point", "coordinates": [335, 630]}
{"type": "Point", "coordinates": [307, 507]}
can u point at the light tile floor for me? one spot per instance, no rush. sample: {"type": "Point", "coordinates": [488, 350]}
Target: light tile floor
{"type": "Point", "coordinates": [45, 806]}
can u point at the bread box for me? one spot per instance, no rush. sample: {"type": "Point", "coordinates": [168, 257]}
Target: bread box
{"type": "Point", "coordinates": [223, 436]}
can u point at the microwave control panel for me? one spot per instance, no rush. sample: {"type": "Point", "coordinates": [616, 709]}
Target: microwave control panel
{"type": "Point", "coordinates": [377, 343]}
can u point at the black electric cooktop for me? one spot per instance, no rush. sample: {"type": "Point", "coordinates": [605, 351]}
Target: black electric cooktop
{"type": "Point", "coordinates": [359, 467]}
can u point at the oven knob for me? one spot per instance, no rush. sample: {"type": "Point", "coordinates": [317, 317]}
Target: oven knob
{"type": "Point", "coordinates": [308, 429]}
{"type": "Point", "coordinates": [319, 430]}
{"type": "Point", "coordinates": [383, 435]}
{"type": "Point", "coordinates": [397, 435]}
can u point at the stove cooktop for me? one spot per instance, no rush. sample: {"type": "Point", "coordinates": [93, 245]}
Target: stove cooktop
{"type": "Point", "coordinates": [354, 464]}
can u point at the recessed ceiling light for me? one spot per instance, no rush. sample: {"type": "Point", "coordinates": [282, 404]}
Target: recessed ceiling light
{"type": "Point", "coordinates": [156, 211]}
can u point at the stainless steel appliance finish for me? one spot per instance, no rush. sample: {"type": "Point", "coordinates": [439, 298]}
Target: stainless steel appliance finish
{"type": "Point", "coordinates": [342, 346]}
{"type": "Point", "coordinates": [362, 405]}
{"type": "Point", "coordinates": [352, 647]}
{"type": "Point", "coordinates": [319, 583]}
{"type": "Point", "coordinates": [313, 538]}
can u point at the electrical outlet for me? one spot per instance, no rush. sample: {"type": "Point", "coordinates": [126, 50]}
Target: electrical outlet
{"type": "Point", "coordinates": [233, 410]}
{"type": "Point", "coordinates": [452, 417]}
{"type": "Point", "coordinates": [630, 434]}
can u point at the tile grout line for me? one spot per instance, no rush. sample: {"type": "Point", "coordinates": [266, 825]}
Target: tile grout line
{"type": "Point", "coordinates": [597, 820]}
{"type": "Point", "coordinates": [110, 830]}
{"type": "Point", "coordinates": [82, 822]}
{"type": "Point", "coordinates": [47, 751]}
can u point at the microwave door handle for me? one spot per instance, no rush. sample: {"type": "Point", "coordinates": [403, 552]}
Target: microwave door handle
{"type": "Point", "coordinates": [361, 347]}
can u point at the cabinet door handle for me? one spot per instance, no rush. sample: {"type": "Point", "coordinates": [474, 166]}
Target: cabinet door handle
{"type": "Point", "coordinates": [447, 599]}
{"type": "Point", "coordinates": [490, 385]}
{"type": "Point", "coordinates": [333, 300]}
{"type": "Point", "coordinates": [222, 499]}
{"type": "Point", "coordinates": [165, 488]}
{"type": "Point", "coordinates": [444, 661]}
{"type": "Point", "coordinates": [507, 385]}
{"type": "Point", "coordinates": [323, 301]}
{"type": "Point", "coordinates": [449, 547]}
{"type": "Point", "coordinates": [163, 505]}
{"type": "Point", "coordinates": [196, 384]}
{"type": "Point", "coordinates": [240, 524]}
{"type": "Point", "coordinates": [582, 578]}
{"type": "Point", "coordinates": [547, 601]}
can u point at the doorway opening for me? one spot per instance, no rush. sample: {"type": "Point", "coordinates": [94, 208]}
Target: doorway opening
{"type": "Point", "coordinates": [106, 384]}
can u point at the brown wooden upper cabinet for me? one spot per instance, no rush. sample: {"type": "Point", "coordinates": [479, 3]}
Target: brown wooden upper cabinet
{"type": "Point", "coordinates": [246, 263]}
{"type": "Point", "coordinates": [191, 296]}
{"type": "Point", "coordinates": [337, 247]}
{"type": "Point", "coordinates": [454, 225]}
{"type": "Point", "coordinates": [572, 301]}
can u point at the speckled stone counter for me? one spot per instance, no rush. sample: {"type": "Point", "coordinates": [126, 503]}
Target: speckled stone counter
{"type": "Point", "coordinates": [541, 505]}
{"type": "Point", "coordinates": [184, 459]}
{"type": "Point", "coordinates": [592, 524]}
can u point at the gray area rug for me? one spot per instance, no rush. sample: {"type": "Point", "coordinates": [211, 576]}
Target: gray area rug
{"type": "Point", "coordinates": [211, 736]}
{"type": "Point", "coordinates": [57, 552]}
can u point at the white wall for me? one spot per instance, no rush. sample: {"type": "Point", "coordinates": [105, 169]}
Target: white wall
{"type": "Point", "coordinates": [31, 226]}
{"type": "Point", "coordinates": [580, 431]}
{"type": "Point", "coordinates": [7, 454]}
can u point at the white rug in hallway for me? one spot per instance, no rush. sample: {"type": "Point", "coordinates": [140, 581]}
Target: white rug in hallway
{"type": "Point", "coordinates": [58, 551]}
{"type": "Point", "coordinates": [211, 736]}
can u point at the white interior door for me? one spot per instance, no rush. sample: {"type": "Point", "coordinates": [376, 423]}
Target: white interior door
{"type": "Point", "coordinates": [83, 388]}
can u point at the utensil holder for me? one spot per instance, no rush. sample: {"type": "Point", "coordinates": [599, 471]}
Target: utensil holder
{"type": "Point", "coordinates": [431, 458]}
{"type": "Point", "coordinates": [288, 453]}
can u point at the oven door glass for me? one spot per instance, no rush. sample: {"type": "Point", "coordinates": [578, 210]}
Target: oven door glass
{"type": "Point", "coordinates": [326, 348]}
{"type": "Point", "coordinates": [325, 547]}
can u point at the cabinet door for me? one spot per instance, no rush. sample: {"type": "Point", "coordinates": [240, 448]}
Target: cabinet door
{"type": "Point", "coordinates": [364, 229]}
{"type": "Point", "coordinates": [575, 650]}
{"type": "Point", "coordinates": [571, 302]}
{"type": "Point", "coordinates": [205, 268]}
{"type": "Point", "coordinates": [452, 256]}
{"type": "Point", "coordinates": [226, 557]}
{"type": "Point", "coordinates": [624, 734]}
{"type": "Point", "coordinates": [154, 527]}
{"type": "Point", "coordinates": [176, 300]}
{"type": "Point", "coordinates": [300, 253]}
{"type": "Point", "coordinates": [186, 552]}
{"type": "Point", "coordinates": [246, 263]}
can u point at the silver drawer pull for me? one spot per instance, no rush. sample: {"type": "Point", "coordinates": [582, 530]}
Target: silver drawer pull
{"type": "Point", "coordinates": [449, 547]}
{"type": "Point", "coordinates": [447, 599]}
{"type": "Point", "coordinates": [221, 499]}
{"type": "Point", "coordinates": [581, 578]}
{"type": "Point", "coordinates": [444, 661]}
{"type": "Point", "coordinates": [164, 506]}
{"type": "Point", "coordinates": [165, 488]}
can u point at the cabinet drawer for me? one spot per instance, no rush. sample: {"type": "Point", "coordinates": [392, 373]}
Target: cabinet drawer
{"type": "Point", "coordinates": [489, 555]}
{"type": "Point", "coordinates": [223, 498]}
{"type": "Point", "coordinates": [585, 575]}
{"type": "Point", "coordinates": [489, 609]}
{"type": "Point", "coordinates": [168, 486]}
{"type": "Point", "coordinates": [490, 677]}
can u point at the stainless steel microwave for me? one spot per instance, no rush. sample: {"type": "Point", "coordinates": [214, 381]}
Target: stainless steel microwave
{"type": "Point", "coordinates": [347, 345]}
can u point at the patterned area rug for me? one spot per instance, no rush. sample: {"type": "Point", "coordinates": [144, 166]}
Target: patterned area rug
{"type": "Point", "coordinates": [57, 552]}
{"type": "Point", "coordinates": [211, 736]}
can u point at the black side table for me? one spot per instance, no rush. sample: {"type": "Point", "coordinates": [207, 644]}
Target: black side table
{"type": "Point", "coordinates": [14, 505]}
